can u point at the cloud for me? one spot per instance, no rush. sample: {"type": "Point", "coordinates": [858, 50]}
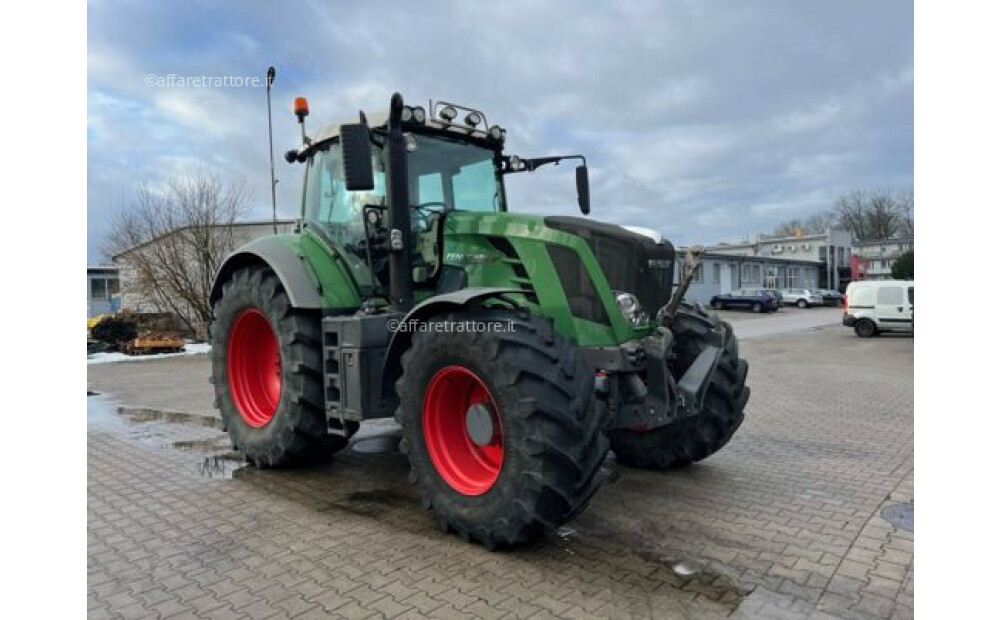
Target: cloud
{"type": "Point", "coordinates": [707, 122]}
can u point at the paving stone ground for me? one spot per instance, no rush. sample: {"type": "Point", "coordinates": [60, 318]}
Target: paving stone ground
{"type": "Point", "coordinates": [786, 521]}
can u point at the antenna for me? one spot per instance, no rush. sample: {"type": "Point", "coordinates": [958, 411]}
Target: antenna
{"type": "Point", "coordinates": [270, 142]}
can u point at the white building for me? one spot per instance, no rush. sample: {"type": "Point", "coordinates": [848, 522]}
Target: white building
{"type": "Point", "coordinates": [721, 273]}
{"type": "Point", "coordinates": [139, 298]}
{"type": "Point", "coordinates": [830, 249]}
{"type": "Point", "coordinates": [874, 259]}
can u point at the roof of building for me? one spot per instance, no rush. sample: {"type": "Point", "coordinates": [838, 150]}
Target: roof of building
{"type": "Point", "coordinates": [759, 259]}
{"type": "Point", "coordinates": [861, 244]}
{"type": "Point", "coordinates": [102, 268]}
{"type": "Point", "coordinates": [177, 230]}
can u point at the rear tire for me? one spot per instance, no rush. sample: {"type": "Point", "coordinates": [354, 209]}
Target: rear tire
{"type": "Point", "coordinates": [268, 373]}
{"type": "Point", "coordinates": [802, 303]}
{"type": "Point", "coordinates": [538, 390]}
{"type": "Point", "coordinates": [757, 308]}
{"type": "Point", "coordinates": [865, 328]}
{"type": "Point", "coordinates": [692, 439]}
{"type": "Point", "coordinates": [717, 305]}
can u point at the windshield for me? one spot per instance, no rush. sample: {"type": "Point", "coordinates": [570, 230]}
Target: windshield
{"type": "Point", "coordinates": [443, 173]}
{"type": "Point", "coordinates": [452, 174]}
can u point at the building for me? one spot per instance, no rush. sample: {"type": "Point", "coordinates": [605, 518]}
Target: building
{"type": "Point", "coordinates": [721, 273]}
{"type": "Point", "coordinates": [178, 247]}
{"type": "Point", "coordinates": [103, 290]}
{"type": "Point", "coordinates": [831, 249]}
{"type": "Point", "coordinates": [873, 260]}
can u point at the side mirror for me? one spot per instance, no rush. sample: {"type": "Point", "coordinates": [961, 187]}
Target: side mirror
{"type": "Point", "coordinates": [583, 189]}
{"type": "Point", "coordinates": [356, 147]}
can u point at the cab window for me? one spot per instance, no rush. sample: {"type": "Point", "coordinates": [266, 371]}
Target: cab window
{"type": "Point", "coordinates": [328, 202]}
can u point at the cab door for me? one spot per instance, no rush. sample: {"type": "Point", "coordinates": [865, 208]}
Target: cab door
{"type": "Point", "coordinates": [892, 308]}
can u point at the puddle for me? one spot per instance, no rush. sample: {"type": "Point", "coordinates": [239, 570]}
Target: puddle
{"type": "Point", "coordinates": [102, 414]}
{"type": "Point", "coordinates": [221, 466]}
{"type": "Point", "coordinates": [380, 444]}
{"type": "Point", "coordinates": [900, 515]}
{"type": "Point", "coordinates": [376, 503]}
{"type": "Point", "coordinates": [616, 549]}
{"type": "Point", "coordinates": [211, 443]}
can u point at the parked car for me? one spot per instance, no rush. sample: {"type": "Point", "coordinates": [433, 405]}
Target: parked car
{"type": "Point", "coordinates": [874, 306]}
{"type": "Point", "coordinates": [776, 294]}
{"type": "Point", "coordinates": [801, 297]}
{"type": "Point", "coordinates": [831, 297]}
{"type": "Point", "coordinates": [754, 299]}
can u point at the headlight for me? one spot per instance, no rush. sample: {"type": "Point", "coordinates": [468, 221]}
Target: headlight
{"type": "Point", "coordinates": [630, 308]}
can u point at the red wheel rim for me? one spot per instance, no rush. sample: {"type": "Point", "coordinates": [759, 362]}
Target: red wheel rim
{"type": "Point", "coordinates": [469, 468]}
{"type": "Point", "coordinates": [254, 367]}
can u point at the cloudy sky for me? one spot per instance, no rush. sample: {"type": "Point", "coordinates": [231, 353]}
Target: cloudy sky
{"type": "Point", "coordinates": [706, 121]}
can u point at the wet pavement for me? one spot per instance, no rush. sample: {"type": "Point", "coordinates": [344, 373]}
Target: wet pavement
{"type": "Point", "coordinates": [803, 515]}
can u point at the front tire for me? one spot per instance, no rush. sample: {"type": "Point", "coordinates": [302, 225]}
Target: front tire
{"type": "Point", "coordinates": [268, 372]}
{"type": "Point", "coordinates": [802, 303]}
{"type": "Point", "coordinates": [531, 462]}
{"type": "Point", "coordinates": [694, 438]}
{"type": "Point", "coordinates": [757, 308]}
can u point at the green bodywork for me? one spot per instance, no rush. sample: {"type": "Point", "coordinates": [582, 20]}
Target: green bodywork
{"type": "Point", "coordinates": [344, 281]}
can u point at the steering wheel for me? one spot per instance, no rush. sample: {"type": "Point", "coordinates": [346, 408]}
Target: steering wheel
{"type": "Point", "coordinates": [422, 210]}
{"type": "Point", "coordinates": [433, 203]}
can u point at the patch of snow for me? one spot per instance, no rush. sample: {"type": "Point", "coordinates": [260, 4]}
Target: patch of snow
{"type": "Point", "coordinates": [191, 348]}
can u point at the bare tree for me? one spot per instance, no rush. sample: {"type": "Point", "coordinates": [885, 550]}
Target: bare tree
{"type": "Point", "coordinates": [814, 224]}
{"type": "Point", "coordinates": [905, 206]}
{"type": "Point", "coordinates": [851, 213]}
{"type": "Point", "coordinates": [876, 214]}
{"type": "Point", "coordinates": [172, 240]}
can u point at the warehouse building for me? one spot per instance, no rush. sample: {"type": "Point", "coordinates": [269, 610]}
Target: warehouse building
{"type": "Point", "coordinates": [830, 249]}
{"type": "Point", "coordinates": [722, 273]}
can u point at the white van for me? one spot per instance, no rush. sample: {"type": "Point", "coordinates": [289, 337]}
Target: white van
{"type": "Point", "coordinates": [873, 306]}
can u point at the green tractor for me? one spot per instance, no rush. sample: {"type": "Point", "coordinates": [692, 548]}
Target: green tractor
{"type": "Point", "coordinates": [513, 350]}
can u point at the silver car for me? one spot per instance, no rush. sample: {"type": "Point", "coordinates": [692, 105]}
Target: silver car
{"type": "Point", "coordinates": [801, 297]}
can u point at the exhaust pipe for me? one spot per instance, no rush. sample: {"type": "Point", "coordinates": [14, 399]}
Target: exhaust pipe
{"type": "Point", "coordinates": [398, 194]}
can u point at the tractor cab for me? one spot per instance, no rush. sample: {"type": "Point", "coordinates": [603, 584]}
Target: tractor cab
{"type": "Point", "coordinates": [451, 166]}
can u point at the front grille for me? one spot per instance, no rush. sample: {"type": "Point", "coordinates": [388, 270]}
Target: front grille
{"type": "Point", "coordinates": [631, 262]}
{"type": "Point", "coordinates": [577, 285]}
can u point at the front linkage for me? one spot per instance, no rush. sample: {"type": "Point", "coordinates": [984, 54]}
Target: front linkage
{"type": "Point", "coordinates": [677, 395]}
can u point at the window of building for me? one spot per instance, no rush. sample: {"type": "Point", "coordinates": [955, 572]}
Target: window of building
{"type": "Point", "coordinates": [756, 274]}
{"type": "Point", "coordinates": [716, 273]}
{"type": "Point", "coordinates": [103, 288]}
{"type": "Point", "coordinates": [771, 277]}
{"type": "Point", "coordinates": [699, 273]}
{"type": "Point", "coordinates": [98, 288]}
{"type": "Point", "coordinates": [745, 273]}
{"type": "Point", "coordinates": [792, 277]}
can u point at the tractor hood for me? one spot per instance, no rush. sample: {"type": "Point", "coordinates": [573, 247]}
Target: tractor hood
{"type": "Point", "coordinates": [631, 262]}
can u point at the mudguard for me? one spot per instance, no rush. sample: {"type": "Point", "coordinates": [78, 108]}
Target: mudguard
{"type": "Point", "coordinates": [300, 284]}
{"type": "Point", "coordinates": [392, 368]}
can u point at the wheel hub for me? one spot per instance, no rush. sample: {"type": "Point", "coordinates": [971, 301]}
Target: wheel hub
{"type": "Point", "coordinates": [479, 424]}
